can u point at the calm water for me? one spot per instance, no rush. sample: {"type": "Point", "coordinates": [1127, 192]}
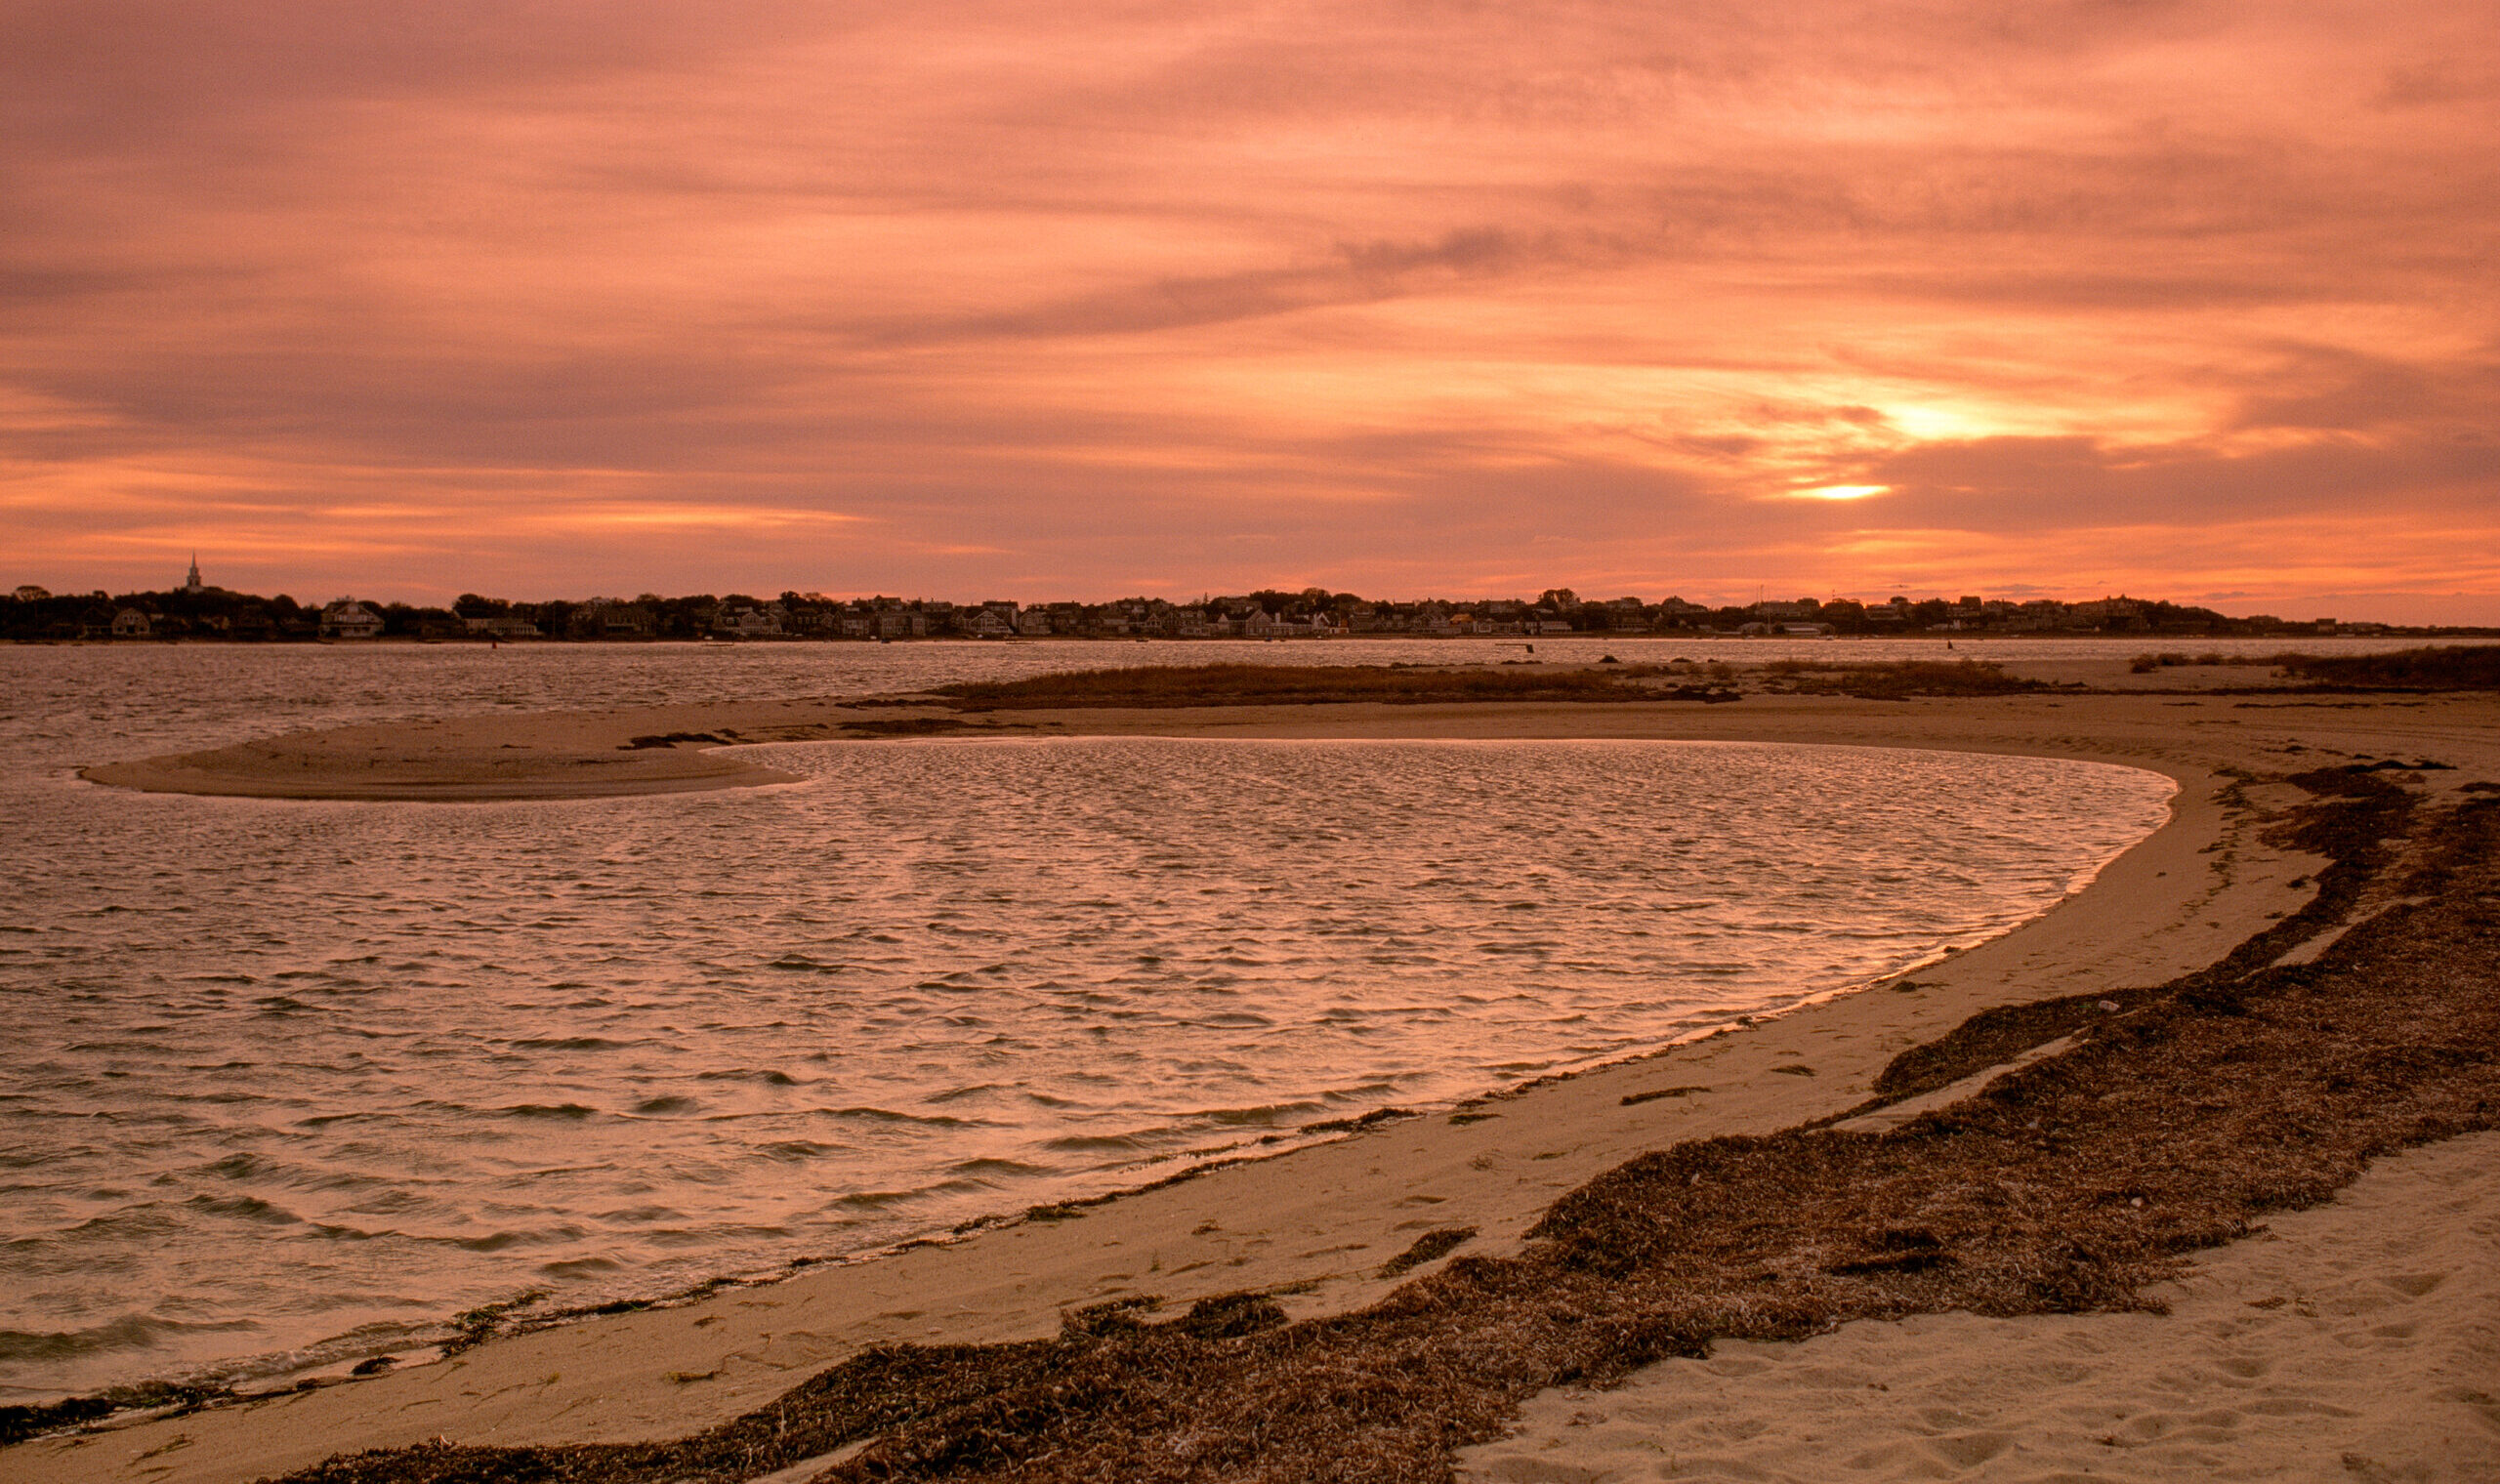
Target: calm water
{"type": "Point", "coordinates": [286, 1082]}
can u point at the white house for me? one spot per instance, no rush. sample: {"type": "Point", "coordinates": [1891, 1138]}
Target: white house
{"type": "Point", "coordinates": [349, 619]}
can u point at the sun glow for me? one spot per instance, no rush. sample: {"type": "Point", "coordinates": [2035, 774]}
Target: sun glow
{"type": "Point", "coordinates": [1379, 297]}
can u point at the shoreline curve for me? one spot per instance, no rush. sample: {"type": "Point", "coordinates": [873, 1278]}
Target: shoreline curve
{"type": "Point", "coordinates": [1314, 1225]}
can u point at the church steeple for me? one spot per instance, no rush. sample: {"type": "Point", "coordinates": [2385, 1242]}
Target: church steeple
{"type": "Point", "coordinates": [191, 583]}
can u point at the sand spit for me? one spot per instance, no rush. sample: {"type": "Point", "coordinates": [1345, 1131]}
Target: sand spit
{"type": "Point", "coordinates": [584, 755]}
{"type": "Point", "coordinates": [1315, 1229]}
{"type": "Point", "coordinates": [2195, 721]}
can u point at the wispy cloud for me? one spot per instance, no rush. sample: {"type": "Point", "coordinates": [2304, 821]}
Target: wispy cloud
{"type": "Point", "coordinates": [1408, 295]}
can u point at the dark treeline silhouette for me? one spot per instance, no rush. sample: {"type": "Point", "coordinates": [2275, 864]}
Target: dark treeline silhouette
{"type": "Point", "coordinates": [201, 613]}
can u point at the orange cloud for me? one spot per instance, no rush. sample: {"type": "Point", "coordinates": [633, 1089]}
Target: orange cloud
{"type": "Point", "coordinates": [1406, 297]}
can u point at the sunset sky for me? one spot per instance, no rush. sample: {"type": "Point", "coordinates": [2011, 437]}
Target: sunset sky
{"type": "Point", "coordinates": [1090, 298]}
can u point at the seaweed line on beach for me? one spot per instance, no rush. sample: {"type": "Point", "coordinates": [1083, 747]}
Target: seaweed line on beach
{"type": "Point", "coordinates": [2358, 813]}
{"type": "Point", "coordinates": [2178, 1118]}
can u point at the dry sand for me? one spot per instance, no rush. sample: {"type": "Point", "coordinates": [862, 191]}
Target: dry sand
{"type": "Point", "coordinates": [1318, 1221]}
{"type": "Point", "coordinates": [2359, 1341]}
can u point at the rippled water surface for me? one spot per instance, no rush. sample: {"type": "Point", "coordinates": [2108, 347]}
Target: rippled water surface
{"type": "Point", "coordinates": [278, 1073]}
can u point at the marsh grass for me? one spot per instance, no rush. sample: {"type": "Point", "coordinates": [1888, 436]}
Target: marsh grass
{"type": "Point", "coordinates": [1172, 685]}
{"type": "Point", "coordinates": [2147, 663]}
{"type": "Point", "coordinates": [2440, 667]}
{"type": "Point", "coordinates": [2171, 1125]}
{"type": "Point", "coordinates": [1897, 680]}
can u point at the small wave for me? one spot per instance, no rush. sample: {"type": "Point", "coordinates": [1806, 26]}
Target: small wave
{"type": "Point", "coordinates": [497, 1241]}
{"type": "Point", "coordinates": [643, 1214]}
{"type": "Point", "coordinates": [549, 1110]}
{"type": "Point", "coordinates": [573, 1044]}
{"type": "Point", "coordinates": [249, 1208]}
{"type": "Point", "coordinates": [979, 1166]}
{"type": "Point", "coordinates": [578, 1267]}
{"type": "Point", "coordinates": [889, 1116]}
{"type": "Point", "coordinates": [973, 1090]}
{"type": "Point", "coordinates": [666, 1105]}
{"type": "Point", "coordinates": [131, 1331]}
{"type": "Point", "coordinates": [877, 1200]}
{"type": "Point", "coordinates": [145, 1221]}
{"type": "Point", "coordinates": [1264, 1114]}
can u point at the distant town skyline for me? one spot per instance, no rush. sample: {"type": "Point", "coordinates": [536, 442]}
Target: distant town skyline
{"type": "Point", "coordinates": [197, 610]}
{"type": "Point", "coordinates": [438, 596]}
{"type": "Point", "coordinates": [191, 580]}
{"type": "Point", "coordinates": [2066, 300]}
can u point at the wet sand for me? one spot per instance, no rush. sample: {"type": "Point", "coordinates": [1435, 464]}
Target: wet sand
{"type": "Point", "coordinates": [461, 759]}
{"type": "Point", "coordinates": [1316, 1224]}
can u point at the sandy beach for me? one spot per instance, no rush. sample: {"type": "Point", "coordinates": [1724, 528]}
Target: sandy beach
{"type": "Point", "coordinates": [1314, 1228]}
{"type": "Point", "coordinates": [2357, 1340]}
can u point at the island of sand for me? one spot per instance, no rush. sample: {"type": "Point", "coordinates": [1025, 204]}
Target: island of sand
{"type": "Point", "coordinates": [1924, 1230]}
